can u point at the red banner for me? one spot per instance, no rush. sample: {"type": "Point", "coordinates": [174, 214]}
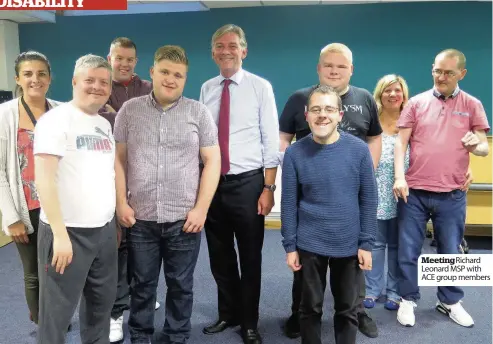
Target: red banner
{"type": "Point", "coordinates": [66, 5]}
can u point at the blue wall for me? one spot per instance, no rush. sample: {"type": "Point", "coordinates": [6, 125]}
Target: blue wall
{"type": "Point", "coordinates": [284, 42]}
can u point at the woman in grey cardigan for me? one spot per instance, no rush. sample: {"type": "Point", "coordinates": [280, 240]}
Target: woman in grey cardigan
{"type": "Point", "coordinates": [19, 202]}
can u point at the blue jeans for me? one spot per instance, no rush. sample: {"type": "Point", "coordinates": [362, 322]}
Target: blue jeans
{"type": "Point", "coordinates": [386, 238]}
{"type": "Point", "coordinates": [149, 243]}
{"type": "Point", "coordinates": [447, 211]}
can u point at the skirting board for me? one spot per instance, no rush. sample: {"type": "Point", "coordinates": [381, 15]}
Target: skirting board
{"type": "Point", "coordinates": [471, 230]}
{"type": "Point", "coordinates": [4, 240]}
{"type": "Point", "coordinates": [273, 220]}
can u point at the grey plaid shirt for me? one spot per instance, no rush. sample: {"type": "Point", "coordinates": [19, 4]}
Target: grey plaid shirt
{"type": "Point", "coordinates": [163, 155]}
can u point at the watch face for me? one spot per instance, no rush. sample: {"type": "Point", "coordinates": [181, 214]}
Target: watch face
{"type": "Point", "coordinates": [270, 187]}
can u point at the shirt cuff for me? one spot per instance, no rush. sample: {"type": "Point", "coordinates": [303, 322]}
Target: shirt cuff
{"type": "Point", "coordinates": [48, 151]}
{"type": "Point", "coordinates": [290, 248]}
{"type": "Point", "coordinates": [365, 246]}
{"type": "Point", "coordinates": [280, 156]}
{"type": "Point", "coordinates": [9, 221]}
{"type": "Point", "coordinates": [273, 164]}
{"type": "Point", "coordinates": [405, 125]}
{"type": "Point", "coordinates": [486, 128]}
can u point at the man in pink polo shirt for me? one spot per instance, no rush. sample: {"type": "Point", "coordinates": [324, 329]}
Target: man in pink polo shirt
{"type": "Point", "coordinates": [442, 126]}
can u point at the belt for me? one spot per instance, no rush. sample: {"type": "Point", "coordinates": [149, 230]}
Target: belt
{"type": "Point", "coordinates": [433, 192]}
{"type": "Point", "coordinates": [239, 176]}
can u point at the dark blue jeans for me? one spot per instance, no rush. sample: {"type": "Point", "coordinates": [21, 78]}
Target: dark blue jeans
{"type": "Point", "coordinates": [149, 243]}
{"type": "Point", "coordinates": [447, 211]}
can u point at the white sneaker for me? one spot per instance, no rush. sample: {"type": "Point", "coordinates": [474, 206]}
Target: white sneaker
{"type": "Point", "coordinates": [116, 330]}
{"type": "Point", "coordinates": [405, 314]}
{"type": "Point", "coordinates": [456, 312]}
{"type": "Point", "coordinates": [157, 306]}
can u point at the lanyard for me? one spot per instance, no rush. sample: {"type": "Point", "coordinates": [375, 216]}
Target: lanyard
{"type": "Point", "coordinates": [30, 113]}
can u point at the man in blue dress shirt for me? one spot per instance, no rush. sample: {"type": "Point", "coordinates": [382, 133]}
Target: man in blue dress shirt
{"type": "Point", "coordinates": [244, 108]}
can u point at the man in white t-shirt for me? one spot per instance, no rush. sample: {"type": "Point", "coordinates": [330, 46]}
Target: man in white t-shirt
{"type": "Point", "coordinates": [75, 178]}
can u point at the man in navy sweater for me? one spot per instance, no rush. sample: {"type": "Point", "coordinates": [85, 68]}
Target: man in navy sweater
{"type": "Point", "coordinates": [329, 216]}
{"type": "Point", "coordinates": [334, 68]}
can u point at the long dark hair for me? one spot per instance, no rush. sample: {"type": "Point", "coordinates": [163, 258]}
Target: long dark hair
{"type": "Point", "coordinates": [29, 56]}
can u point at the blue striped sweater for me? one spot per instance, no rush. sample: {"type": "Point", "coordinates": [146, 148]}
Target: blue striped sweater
{"type": "Point", "coordinates": [329, 197]}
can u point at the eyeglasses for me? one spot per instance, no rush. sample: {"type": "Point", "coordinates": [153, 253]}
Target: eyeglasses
{"type": "Point", "coordinates": [447, 73]}
{"type": "Point", "coordinates": [328, 110]}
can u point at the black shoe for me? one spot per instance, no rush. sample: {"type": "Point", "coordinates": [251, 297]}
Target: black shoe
{"type": "Point", "coordinates": [292, 326]}
{"type": "Point", "coordinates": [367, 326]}
{"type": "Point", "coordinates": [251, 337]}
{"type": "Point", "coordinates": [219, 326]}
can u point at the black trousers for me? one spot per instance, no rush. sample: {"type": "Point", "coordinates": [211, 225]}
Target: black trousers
{"type": "Point", "coordinates": [344, 275]}
{"type": "Point", "coordinates": [296, 292]}
{"type": "Point", "coordinates": [233, 214]}
{"type": "Point", "coordinates": [29, 258]}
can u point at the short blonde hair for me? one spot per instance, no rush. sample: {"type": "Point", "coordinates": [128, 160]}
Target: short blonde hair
{"type": "Point", "coordinates": [337, 48]}
{"type": "Point", "coordinates": [385, 82]}
{"type": "Point", "coordinates": [171, 53]}
{"type": "Point", "coordinates": [227, 29]}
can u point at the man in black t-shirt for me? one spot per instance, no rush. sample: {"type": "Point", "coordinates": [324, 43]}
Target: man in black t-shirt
{"type": "Point", "coordinates": [360, 119]}
{"type": "Point", "coordinates": [360, 115]}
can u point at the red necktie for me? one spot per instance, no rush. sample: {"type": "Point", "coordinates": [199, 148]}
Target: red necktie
{"type": "Point", "coordinates": [223, 130]}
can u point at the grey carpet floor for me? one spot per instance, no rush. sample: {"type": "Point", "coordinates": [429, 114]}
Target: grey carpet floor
{"type": "Point", "coordinates": [431, 326]}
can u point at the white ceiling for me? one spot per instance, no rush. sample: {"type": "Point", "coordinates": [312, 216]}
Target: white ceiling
{"type": "Point", "coordinates": [28, 16]}
{"type": "Point", "coordinates": [257, 3]}
{"type": "Point", "coordinates": [166, 6]}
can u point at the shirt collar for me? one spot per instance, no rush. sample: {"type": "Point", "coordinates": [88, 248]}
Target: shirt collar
{"type": "Point", "coordinates": [441, 96]}
{"type": "Point", "coordinates": [158, 106]}
{"type": "Point", "coordinates": [236, 78]}
{"type": "Point", "coordinates": [126, 83]}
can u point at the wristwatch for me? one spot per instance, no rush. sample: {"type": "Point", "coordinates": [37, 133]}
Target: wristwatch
{"type": "Point", "coordinates": [270, 187]}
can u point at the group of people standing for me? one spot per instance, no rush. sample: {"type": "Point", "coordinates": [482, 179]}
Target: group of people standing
{"type": "Point", "coordinates": [101, 192]}
{"type": "Point", "coordinates": [418, 149]}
